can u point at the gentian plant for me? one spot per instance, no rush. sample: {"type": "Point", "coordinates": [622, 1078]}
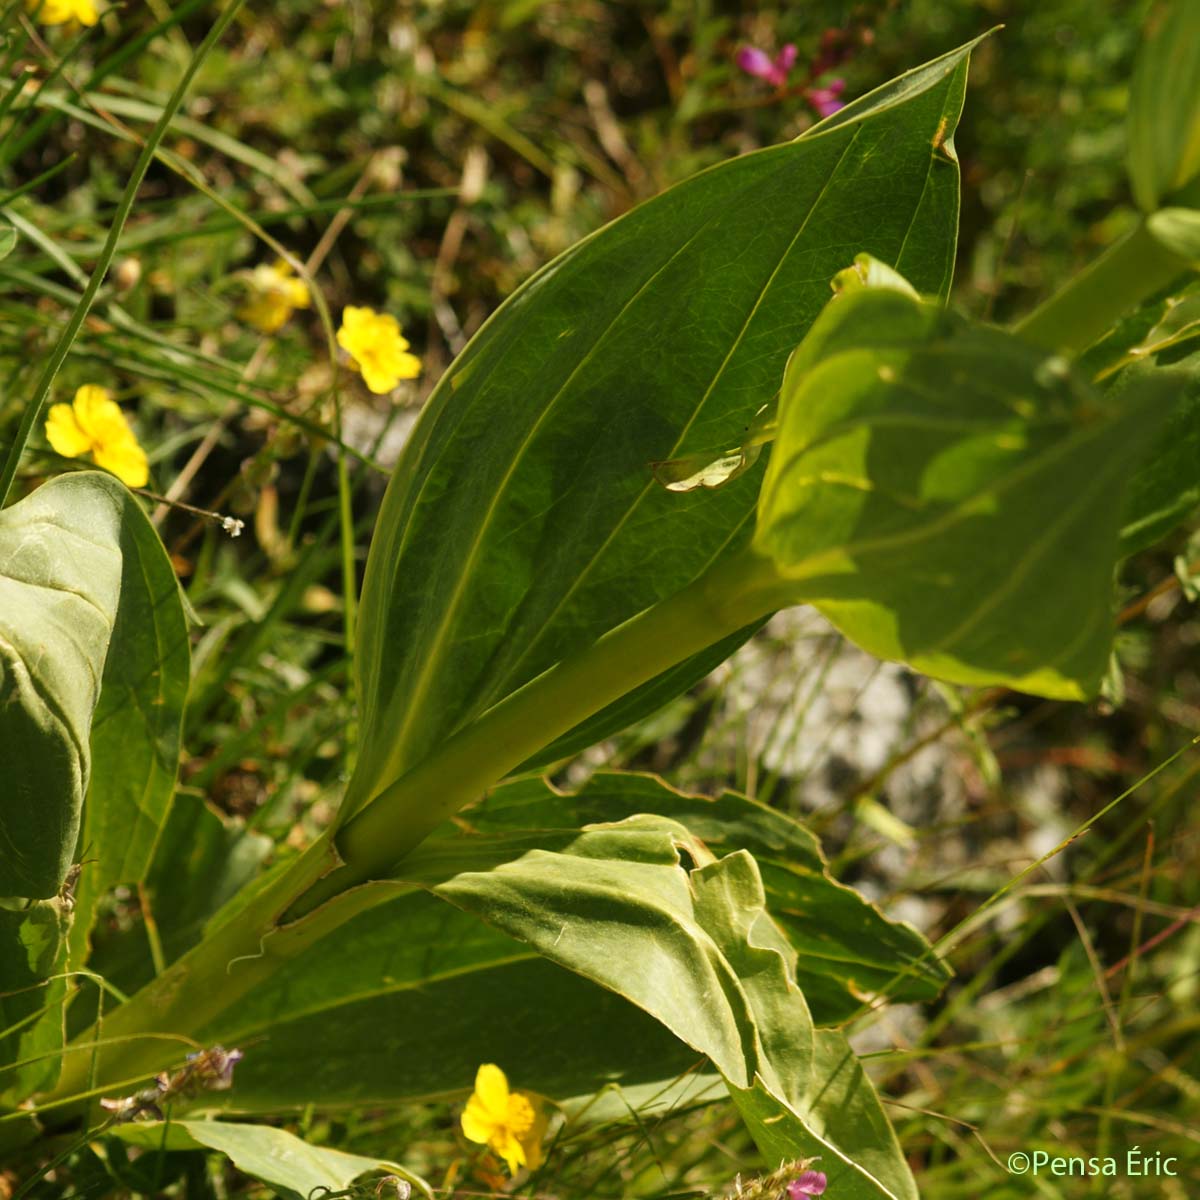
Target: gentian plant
{"type": "Point", "coordinates": [950, 494]}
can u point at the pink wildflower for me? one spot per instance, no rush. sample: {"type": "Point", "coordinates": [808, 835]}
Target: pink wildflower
{"type": "Point", "coordinates": [811, 1183]}
{"type": "Point", "coordinates": [774, 70]}
{"type": "Point", "coordinates": [824, 100]}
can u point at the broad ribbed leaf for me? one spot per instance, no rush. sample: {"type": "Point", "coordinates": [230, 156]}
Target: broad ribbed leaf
{"type": "Point", "coordinates": [845, 949]}
{"type": "Point", "coordinates": [523, 520]}
{"type": "Point", "coordinates": [60, 581]}
{"type": "Point", "coordinates": [136, 728]}
{"type": "Point", "coordinates": [272, 1155]}
{"type": "Point", "coordinates": [32, 993]}
{"type": "Point", "coordinates": [1164, 104]}
{"type": "Point", "coordinates": [950, 497]}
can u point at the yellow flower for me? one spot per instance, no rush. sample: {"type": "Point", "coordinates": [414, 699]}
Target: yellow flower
{"type": "Point", "coordinates": [274, 296]}
{"type": "Point", "coordinates": [93, 422]}
{"type": "Point", "coordinates": [63, 12]}
{"type": "Point", "coordinates": [373, 340]}
{"type": "Point", "coordinates": [510, 1123]}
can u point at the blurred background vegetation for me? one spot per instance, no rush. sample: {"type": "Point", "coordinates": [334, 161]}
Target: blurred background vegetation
{"type": "Point", "coordinates": [427, 158]}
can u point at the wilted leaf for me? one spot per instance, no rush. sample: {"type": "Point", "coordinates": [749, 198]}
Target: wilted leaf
{"type": "Point", "coordinates": [697, 949]}
{"type": "Point", "coordinates": [614, 904]}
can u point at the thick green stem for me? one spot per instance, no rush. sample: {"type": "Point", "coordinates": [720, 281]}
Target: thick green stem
{"type": "Point", "coordinates": [1083, 311]}
{"type": "Point", "coordinates": [190, 997]}
{"type": "Point", "coordinates": [727, 598]}
{"type": "Point", "coordinates": [192, 992]}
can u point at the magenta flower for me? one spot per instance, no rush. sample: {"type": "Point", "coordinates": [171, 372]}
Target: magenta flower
{"type": "Point", "coordinates": [825, 100]}
{"type": "Point", "coordinates": [774, 70]}
{"type": "Point", "coordinates": [811, 1183]}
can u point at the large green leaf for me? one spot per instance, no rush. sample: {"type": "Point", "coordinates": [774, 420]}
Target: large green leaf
{"type": "Point", "coordinates": [523, 520]}
{"type": "Point", "coordinates": [950, 497]}
{"type": "Point", "coordinates": [263, 1152]}
{"type": "Point", "coordinates": [136, 728]}
{"type": "Point", "coordinates": [845, 949]}
{"type": "Point", "coordinates": [60, 582]}
{"type": "Point", "coordinates": [1164, 104]}
{"type": "Point", "coordinates": [32, 992]}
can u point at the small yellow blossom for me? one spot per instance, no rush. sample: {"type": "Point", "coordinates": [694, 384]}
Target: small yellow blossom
{"type": "Point", "coordinates": [510, 1123]}
{"type": "Point", "coordinates": [373, 340]}
{"type": "Point", "coordinates": [63, 12]}
{"type": "Point", "coordinates": [274, 296]}
{"type": "Point", "coordinates": [93, 422]}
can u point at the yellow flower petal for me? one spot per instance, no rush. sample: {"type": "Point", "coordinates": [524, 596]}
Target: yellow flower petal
{"type": "Point", "coordinates": [379, 350]}
{"type": "Point", "coordinates": [477, 1123]}
{"type": "Point", "coordinates": [509, 1149]}
{"type": "Point", "coordinates": [93, 421]}
{"type": "Point", "coordinates": [354, 322]}
{"type": "Point", "coordinates": [63, 12]}
{"type": "Point", "coordinates": [265, 311]}
{"type": "Point", "coordinates": [533, 1136]}
{"type": "Point", "coordinates": [491, 1089]}
{"type": "Point", "coordinates": [296, 292]}
{"type": "Point", "coordinates": [520, 1114]}
{"type": "Point", "coordinates": [52, 12]}
{"type": "Point", "coordinates": [99, 416]}
{"type": "Point", "coordinates": [126, 460]}
{"type": "Point", "coordinates": [63, 432]}
{"type": "Point", "coordinates": [512, 1124]}
{"type": "Point", "coordinates": [274, 296]}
